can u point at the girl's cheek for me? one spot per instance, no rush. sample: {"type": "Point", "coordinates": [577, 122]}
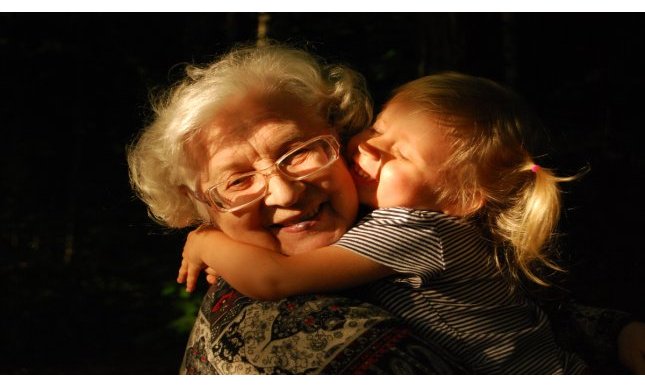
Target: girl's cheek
{"type": "Point", "coordinates": [398, 187]}
{"type": "Point", "coordinates": [391, 178]}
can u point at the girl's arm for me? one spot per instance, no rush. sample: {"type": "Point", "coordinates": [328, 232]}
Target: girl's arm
{"type": "Point", "coordinates": [264, 274]}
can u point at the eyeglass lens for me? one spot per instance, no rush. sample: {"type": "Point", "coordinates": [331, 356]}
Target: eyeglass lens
{"type": "Point", "coordinates": [296, 164]}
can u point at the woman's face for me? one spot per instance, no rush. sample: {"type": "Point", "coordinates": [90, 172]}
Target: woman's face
{"type": "Point", "coordinates": [294, 216]}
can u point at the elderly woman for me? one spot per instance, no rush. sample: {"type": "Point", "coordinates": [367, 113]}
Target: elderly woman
{"type": "Point", "coordinates": [272, 119]}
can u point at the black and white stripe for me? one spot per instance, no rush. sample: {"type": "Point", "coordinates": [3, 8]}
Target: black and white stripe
{"type": "Point", "coordinates": [450, 291]}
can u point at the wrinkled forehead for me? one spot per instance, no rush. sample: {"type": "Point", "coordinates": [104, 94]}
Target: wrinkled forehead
{"type": "Point", "coordinates": [251, 127]}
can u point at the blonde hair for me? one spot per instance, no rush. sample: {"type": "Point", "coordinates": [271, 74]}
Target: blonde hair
{"type": "Point", "coordinates": [490, 174]}
{"type": "Point", "coordinates": [158, 160]}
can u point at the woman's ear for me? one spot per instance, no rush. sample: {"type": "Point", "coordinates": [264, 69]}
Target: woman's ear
{"type": "Point", "coordinates": [193, 195]}
{"type": "Point", "coordinates": [201, 205]}
{"type": "Point", "coordinates": [185, 191]}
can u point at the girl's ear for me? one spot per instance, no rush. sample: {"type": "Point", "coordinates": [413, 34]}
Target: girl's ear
{"type": "Point", "coordinates": [466, 208]}
{"type": "Point", "coordinates": [475, 204]}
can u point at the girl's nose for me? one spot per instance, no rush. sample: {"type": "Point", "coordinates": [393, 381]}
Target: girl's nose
{"type": "Point", "coordinates": [283, 192]}
{"type": "Point", "coordinates": [367, 148]}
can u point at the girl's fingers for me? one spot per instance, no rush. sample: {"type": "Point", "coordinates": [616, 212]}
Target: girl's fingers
{"type": "Point", "coordinates": [183, 271]}
{"type": "Point", "coordinates": [193, 274]}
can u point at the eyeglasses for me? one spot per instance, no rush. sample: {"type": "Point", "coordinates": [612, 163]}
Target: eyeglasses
{"type": "Point", "coordinates": [243, 189]}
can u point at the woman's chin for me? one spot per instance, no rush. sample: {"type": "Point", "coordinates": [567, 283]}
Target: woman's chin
{"type": "Point", "coordinates": [323, 230]}
{"type": "Point", "coordinates": [309, 242]}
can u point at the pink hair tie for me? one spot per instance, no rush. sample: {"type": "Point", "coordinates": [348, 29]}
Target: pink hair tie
{"type": "Point", "coordinates": [535, 168]}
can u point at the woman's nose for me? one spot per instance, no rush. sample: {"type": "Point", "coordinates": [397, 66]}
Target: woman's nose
{"type": "Point", "coordinates": [283, 192]}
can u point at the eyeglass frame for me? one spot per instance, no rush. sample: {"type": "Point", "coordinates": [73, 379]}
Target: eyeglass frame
{"type": "Point", "coordinates": [330, 139]}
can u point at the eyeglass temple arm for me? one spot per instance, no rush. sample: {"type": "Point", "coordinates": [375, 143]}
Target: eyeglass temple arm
{"type": "Point", "coordinates": [195, 194]}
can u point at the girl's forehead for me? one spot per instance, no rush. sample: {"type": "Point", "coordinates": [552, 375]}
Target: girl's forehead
{"type": "Point", "coordinates": [400, 112]}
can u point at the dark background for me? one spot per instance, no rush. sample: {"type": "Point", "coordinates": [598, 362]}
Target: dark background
{"type": "Point", "coordinates": [88, 280]}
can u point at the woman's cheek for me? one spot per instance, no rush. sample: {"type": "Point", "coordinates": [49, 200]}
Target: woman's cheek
{"type": "Point", "coordinates": [345, 193]}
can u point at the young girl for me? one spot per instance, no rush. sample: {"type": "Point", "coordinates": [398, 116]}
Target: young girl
{"type": "Point", "coordinates": [463, 216]}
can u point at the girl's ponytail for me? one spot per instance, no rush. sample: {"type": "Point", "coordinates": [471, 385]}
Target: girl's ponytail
{"type": "Point", "coordinates": [526, 227]}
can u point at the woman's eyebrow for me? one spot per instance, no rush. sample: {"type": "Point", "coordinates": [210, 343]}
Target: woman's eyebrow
{"type": "Point", "coordinates": [227, 161]}
{"type": "Point", "coordinates": [290, 141]}
{"type": "Point", "coordinates": [230, 163]}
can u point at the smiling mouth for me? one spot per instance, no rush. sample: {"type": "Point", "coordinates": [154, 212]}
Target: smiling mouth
{"type": "Point", "coordinates": [301, 222]}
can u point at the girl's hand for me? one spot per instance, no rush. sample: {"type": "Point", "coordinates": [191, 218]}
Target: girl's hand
{"type": "Point", "coordinates": [192, 263]}
{"type": "Point", "coordinates": [631, 347]}
{"type": "Point", "coordinates": [211, 275]}
{"type": "Point", "coordinates": [189, 272]}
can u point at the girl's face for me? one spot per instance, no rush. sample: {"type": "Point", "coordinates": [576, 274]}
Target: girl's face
{"type": "Point", "coordinates": [396, 162]}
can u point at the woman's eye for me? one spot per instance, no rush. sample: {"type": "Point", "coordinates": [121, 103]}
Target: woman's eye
{"type": "Point", "coordinates": [239, 183]}
{"type": "Point", "coordinates": [299, 157]}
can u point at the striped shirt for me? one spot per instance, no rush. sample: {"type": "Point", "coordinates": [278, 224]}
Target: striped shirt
{"type": "Point", "coordinates": [450, 291]}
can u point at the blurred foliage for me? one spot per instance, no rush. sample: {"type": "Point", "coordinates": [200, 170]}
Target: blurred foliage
{"type": "Point", "coordinates": [185, 303]}
{"type": "Point", "coordinates": [89, 279]}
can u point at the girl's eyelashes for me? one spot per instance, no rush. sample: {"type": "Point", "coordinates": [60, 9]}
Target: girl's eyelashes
{"type": "Point", "coordinates": [396, 151]}
{"type": "Point", "coordinates": [373, 130]}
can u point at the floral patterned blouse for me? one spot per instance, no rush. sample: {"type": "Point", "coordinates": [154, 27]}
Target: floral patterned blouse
{"type": "Point", "coordinates": [330, 334]}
